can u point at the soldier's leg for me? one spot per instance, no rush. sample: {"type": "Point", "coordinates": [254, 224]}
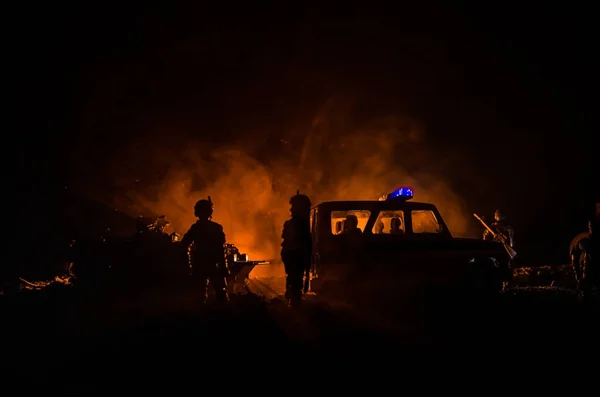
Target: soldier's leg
{"type": "Point", "coordinates": [296, 295]}
{"type": "Point", "coordinates": [287, 266]}
{"type": "Point", "coordinates": [200, 282]}
{"type": "Point", "coordinates": [294, 273]}
{"type": "Point", "coordinates": [297, 278]}
{"type": "Point", "coordinates": [220, 285]}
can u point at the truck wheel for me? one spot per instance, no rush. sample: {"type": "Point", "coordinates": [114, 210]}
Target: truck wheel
{"type": "Point", "coordinates": [482, 279]}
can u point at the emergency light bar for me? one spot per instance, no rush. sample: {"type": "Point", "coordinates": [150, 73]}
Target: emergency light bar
{"type": "Point", "coordinates": [402, 193]}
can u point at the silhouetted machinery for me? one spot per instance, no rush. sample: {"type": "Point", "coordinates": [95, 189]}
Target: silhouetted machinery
{"type": "Point", "coordinates": [240, 267]}
{"type": "Point", "coordinates": [150, 257]}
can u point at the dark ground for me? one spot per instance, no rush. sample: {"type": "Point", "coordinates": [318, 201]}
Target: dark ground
{"type": "Point", "coordinates": [59, 333]}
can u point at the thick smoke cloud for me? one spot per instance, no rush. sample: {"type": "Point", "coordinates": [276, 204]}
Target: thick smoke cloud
{"type": "Point", "coordinates": [336, 159]}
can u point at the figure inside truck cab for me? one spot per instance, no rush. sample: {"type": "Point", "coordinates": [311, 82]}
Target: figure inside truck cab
{"type": "Point", "coordinates": [396, 226]}
{"type": "Point", "coordinates": [296, 247]}
{"type": "Point", "coordinates": [379, 227]}
{"type": "Point", "coordinates": [351, 225]}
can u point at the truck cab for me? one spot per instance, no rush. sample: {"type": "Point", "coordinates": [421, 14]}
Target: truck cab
{"type": "Point", "coordinates": [397, 244]}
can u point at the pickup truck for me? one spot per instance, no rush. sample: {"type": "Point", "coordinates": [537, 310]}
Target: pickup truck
{"type": "Point", "coordinates": [394, 247]}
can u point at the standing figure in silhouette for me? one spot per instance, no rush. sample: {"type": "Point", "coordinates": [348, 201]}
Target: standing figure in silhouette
{"type": "Point", "coordinates": [585, 261]}
{"type": "Point", "coordinates": [207, 253]}
{"type": "Point", "coordinates": [296, 247]}
{"type": "Point", "coordinates": [501, 227]}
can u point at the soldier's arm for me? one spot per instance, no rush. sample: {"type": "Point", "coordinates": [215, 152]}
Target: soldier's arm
{"type": "Point", "coordinates": [285, 230]}
{"type": "Point", "coordinates": [222, 262]}
{"type": "Point", "coordinates": [184, 245]}
{"type": "Point", "coordinates": [187, 239]}
{"type": "Point", "coordinates": [222, 238]}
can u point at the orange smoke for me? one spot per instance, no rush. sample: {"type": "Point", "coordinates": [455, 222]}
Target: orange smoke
{"type": "Point", "coordinates": [245, 202]}
{"type": "Point", "coordinates": [334, 163]}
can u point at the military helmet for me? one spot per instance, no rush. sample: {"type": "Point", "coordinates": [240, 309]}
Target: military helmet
{"type": "Point", "coordinates": [203, 208]}
{"type": "Point", "coordinates": [300, 202]}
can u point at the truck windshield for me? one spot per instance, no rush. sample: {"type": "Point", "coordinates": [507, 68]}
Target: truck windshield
{"type": "Point", "coordinates": [389, 222]}
{"type": "Point", "coordinates": [425, 221]}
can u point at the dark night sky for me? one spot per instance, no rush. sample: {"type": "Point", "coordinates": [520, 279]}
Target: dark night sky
{"type": "Point", "coordinates": [513, 86]}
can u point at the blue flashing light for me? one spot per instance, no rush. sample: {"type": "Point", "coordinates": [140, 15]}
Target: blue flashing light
{"type": "Point", "coordinates": [402, 193]}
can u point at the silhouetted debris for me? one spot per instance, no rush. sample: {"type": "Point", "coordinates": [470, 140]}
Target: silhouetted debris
{"type": "Point", "coordinates": [39, 285]}
{"type": "Point", "coordinates": [556, 276]}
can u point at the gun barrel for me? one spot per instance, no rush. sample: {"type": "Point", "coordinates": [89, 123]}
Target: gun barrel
{"type": "Point", "coordinates": [489, 229]}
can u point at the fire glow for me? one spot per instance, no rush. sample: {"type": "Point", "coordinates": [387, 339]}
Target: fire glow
{"type": "Point", "coordinates": [251, 193]}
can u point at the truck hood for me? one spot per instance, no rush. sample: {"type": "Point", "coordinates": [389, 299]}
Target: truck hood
{"type": "Point", "coordinates": [433, 244]}
{"type": "Point", "coordinates": [477, 244]}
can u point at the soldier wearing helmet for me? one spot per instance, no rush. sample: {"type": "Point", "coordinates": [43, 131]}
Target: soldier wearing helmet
{"type": "Point", "coordinates": [502, 227]}
{"type": "Point", "coordinates": [296, 247]}
{"type": "Point", "coordinates": [207, 253]}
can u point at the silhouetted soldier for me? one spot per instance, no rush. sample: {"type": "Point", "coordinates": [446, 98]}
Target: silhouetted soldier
{"type": "Point", "coordinates": [208, 252]}
{"type": "Point", "coordinates": [502, 227]}
{"type": "Point", "coordinates": [585, 262]}
{"type": "Point", "coordinates": [576, 252]}
{"type": "Point", "coordinates": [351, 246]}
{"type": "Point", "coordinates": [296, 247]}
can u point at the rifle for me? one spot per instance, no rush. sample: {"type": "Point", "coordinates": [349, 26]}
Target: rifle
{"type": "Point", "coordinates": [511, 252]}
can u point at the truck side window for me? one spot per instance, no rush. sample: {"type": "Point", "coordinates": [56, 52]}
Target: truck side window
{"type": "Point", "coordinates": [338, 220]}
{"type": "Point", "coordinates": [389, 222]}
{"type": "Point", "coordinates": [425, 221]}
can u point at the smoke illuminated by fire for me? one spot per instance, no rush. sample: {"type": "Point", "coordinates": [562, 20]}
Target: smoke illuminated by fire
{"type": "Point", "coordinates": [334, 162]}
